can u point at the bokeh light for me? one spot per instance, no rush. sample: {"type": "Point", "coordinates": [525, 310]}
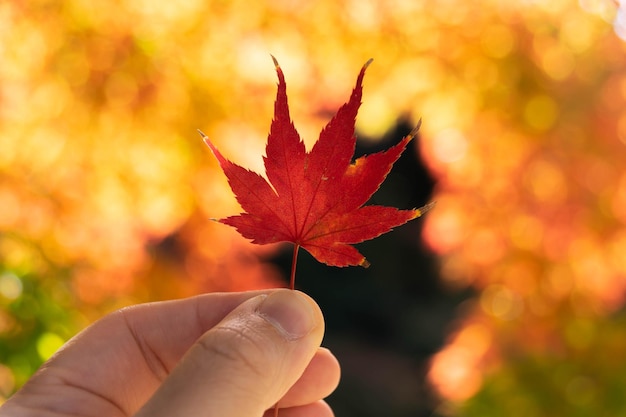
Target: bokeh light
{"type": "Point", "coordinates": [106, 190]}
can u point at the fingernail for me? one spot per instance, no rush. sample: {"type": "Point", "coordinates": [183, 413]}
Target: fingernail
{"type": "Point", "coordinates": [290, 312]}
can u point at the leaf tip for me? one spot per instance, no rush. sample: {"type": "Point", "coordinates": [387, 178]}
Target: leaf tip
{"type": "Point", "coordinates": [364, 263]}
{"type": "Point", "coordinates": [424, 209]}
{"type": "Point", "coordinates": [276, 65]}
{"type": "Point", "coordinates": [205, 138]}
{"type": "Point", "coordinates": [415, 130]}
{"type": "Point", "coordinates": [279, 72]}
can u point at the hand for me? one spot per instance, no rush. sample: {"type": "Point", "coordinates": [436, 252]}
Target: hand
{"type": "Point", "coordinates": [226, 355]}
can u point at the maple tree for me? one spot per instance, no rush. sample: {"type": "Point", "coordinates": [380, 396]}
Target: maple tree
{"type": "Point", "coordinates": [315, 199]}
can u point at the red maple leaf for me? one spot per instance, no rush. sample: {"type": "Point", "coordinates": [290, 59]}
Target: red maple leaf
{"type": "Point", "coordinates": [315, 199]}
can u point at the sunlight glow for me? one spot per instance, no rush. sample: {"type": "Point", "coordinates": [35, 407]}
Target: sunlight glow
{"type": "Point", "coordinates": [10, 286]}
{"type": "Point", "coordinates": [454, 371]}
{"type": "Point", "coordinates": [106, 191]}
{"type": "Point", "coordinates": [48, 344]}
{"type": "Point", "coordinates": [449, 145]}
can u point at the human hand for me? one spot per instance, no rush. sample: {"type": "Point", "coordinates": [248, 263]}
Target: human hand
{"type": "Point", "coordinates": [226, 355]}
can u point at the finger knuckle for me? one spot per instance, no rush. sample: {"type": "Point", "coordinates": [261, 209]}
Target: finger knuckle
{"type": "Point", "coordinates": [241, 348]}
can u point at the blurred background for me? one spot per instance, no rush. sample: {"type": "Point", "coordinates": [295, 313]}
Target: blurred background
{"type": "Point", "coordinates": [506, 299]}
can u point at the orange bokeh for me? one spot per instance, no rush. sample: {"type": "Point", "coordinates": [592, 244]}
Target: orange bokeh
{"type": "Point", "coordinates": [106, 190]}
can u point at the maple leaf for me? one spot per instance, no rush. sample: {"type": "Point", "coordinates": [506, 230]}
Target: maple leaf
{"type": "Point", "coordinates": [315, 199]}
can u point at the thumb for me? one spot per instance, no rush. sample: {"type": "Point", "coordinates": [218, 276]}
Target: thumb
{"type": "Point", "coordinates": [246, 363]}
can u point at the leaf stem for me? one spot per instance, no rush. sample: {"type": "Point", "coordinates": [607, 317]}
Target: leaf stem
{"type": "Point", "coordinates": [292, 286]}
{"type": "Point", "coordinates": [294, 259]}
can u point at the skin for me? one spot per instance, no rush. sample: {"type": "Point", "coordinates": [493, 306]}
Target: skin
{"type": "Point", "coordinates": [227, 355]}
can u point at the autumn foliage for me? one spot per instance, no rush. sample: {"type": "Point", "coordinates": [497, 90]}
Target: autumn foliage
{"type": "Point", "coordinates": [106, 192]}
